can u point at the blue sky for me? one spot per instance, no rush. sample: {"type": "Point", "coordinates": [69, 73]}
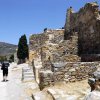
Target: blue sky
{"type": "Point", "coordinates": [18, 17]}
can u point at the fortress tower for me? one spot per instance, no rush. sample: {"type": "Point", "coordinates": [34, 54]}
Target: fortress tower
{"type": "Point", "coordinates": [68, 19]}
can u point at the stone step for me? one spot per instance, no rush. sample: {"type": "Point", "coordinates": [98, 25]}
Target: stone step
{"type": "Point", "coordinates": [41, 96]}
{"type": "Point", "coordinates": [28, 79]}
{"type": "Point", "coordinates": [29, 73]}
{"type": "Point", "coordinates": [58, 94]}
{"type": "Point", "coordinates": [28, 76]}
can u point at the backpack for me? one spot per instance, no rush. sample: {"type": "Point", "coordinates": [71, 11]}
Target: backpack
{"type": "Point", "coordinates": [5, 65]}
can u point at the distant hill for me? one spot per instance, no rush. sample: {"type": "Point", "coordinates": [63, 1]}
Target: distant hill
{"type": "Point", "coordinates": [7, 49]}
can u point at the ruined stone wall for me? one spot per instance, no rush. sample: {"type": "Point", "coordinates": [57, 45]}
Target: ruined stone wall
{"type": "Point", "coordinates": [89, 32]}
{"type": "Point", "coordinates": [86, 22]}
{"type": "Point", "coordinates": [82, 29]}
{"type": "Point", "coordinates": [72, 71]}
{"type": "Point", "coordinates": [52, 47]}
{"type": "Point", "coordinates": [37, 40]}
{"type": "Point", "coordinates": [85, 15]}
{"type": "Point", "coordinates": [68, 72]}
{"type": "Point", "coordinates": [46, 78]}
{"type": "Point", "coordinates": [57, 49]}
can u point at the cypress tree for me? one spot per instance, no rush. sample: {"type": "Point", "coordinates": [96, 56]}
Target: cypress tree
{"type": "Point", "coordinates": [23, 51]}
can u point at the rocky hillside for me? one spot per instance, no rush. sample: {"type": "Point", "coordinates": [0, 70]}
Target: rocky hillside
{"type": "Point", "coordinates": [7, 49]}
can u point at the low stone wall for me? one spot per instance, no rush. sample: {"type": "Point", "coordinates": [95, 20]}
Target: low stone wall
{"type": "Point", "coordinates": [69, 72]}
{"type": "Point", "coordinates": [37, 65]}
{"type": "Point", "coordinates": [72, 71]}
{"type": "Point", "coordinates": [46, 78]}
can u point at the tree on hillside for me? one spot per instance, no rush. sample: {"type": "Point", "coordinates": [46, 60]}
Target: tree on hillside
{"type": "Point", "coordinates": [23, 51]}
{"type": "Point", "coordinates": [3, 58]}
{"type": "Point", "coordinates": [11, 58]}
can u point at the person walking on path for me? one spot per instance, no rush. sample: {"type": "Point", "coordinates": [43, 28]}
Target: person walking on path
{"type": "Point", "coordinates": [4, 68]}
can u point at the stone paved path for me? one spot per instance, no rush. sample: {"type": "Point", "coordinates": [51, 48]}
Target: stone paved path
{"type": "Point", "coordinates": [13, 89]}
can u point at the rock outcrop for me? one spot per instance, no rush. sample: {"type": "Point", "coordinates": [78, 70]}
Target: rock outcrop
{"type": "Point", "coordinates": [94, 83]}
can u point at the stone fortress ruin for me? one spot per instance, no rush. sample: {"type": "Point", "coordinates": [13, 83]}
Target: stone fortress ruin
{"type": "Point", "coordinates": [70, 54]}
{"type": "Point", "coordinates": [86, 23]}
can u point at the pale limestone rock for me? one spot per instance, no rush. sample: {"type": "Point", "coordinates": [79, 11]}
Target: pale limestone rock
{"type": "Point", "coordinates": [95, 95]}
{"type": "Point", "coordinates": [58, 94]}
{"type": "Point", "coordinates": [41, 96]}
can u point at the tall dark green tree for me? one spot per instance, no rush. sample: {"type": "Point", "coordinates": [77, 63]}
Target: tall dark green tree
{"type": "Point", "coordinates": [23, 51]}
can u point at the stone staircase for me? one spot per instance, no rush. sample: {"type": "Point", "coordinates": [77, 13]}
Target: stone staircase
{"type": "Point", "coordinates": [27, 74]}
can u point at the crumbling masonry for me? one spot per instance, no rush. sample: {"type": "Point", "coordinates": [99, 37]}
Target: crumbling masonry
{"type": "Point", "coordinates": [57, 55]}
{"type": "Point", "coordinates": [86, 23]}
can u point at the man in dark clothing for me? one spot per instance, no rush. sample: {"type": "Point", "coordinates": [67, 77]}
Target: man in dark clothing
{"type": "Point", "coordinates": [4, 67]}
